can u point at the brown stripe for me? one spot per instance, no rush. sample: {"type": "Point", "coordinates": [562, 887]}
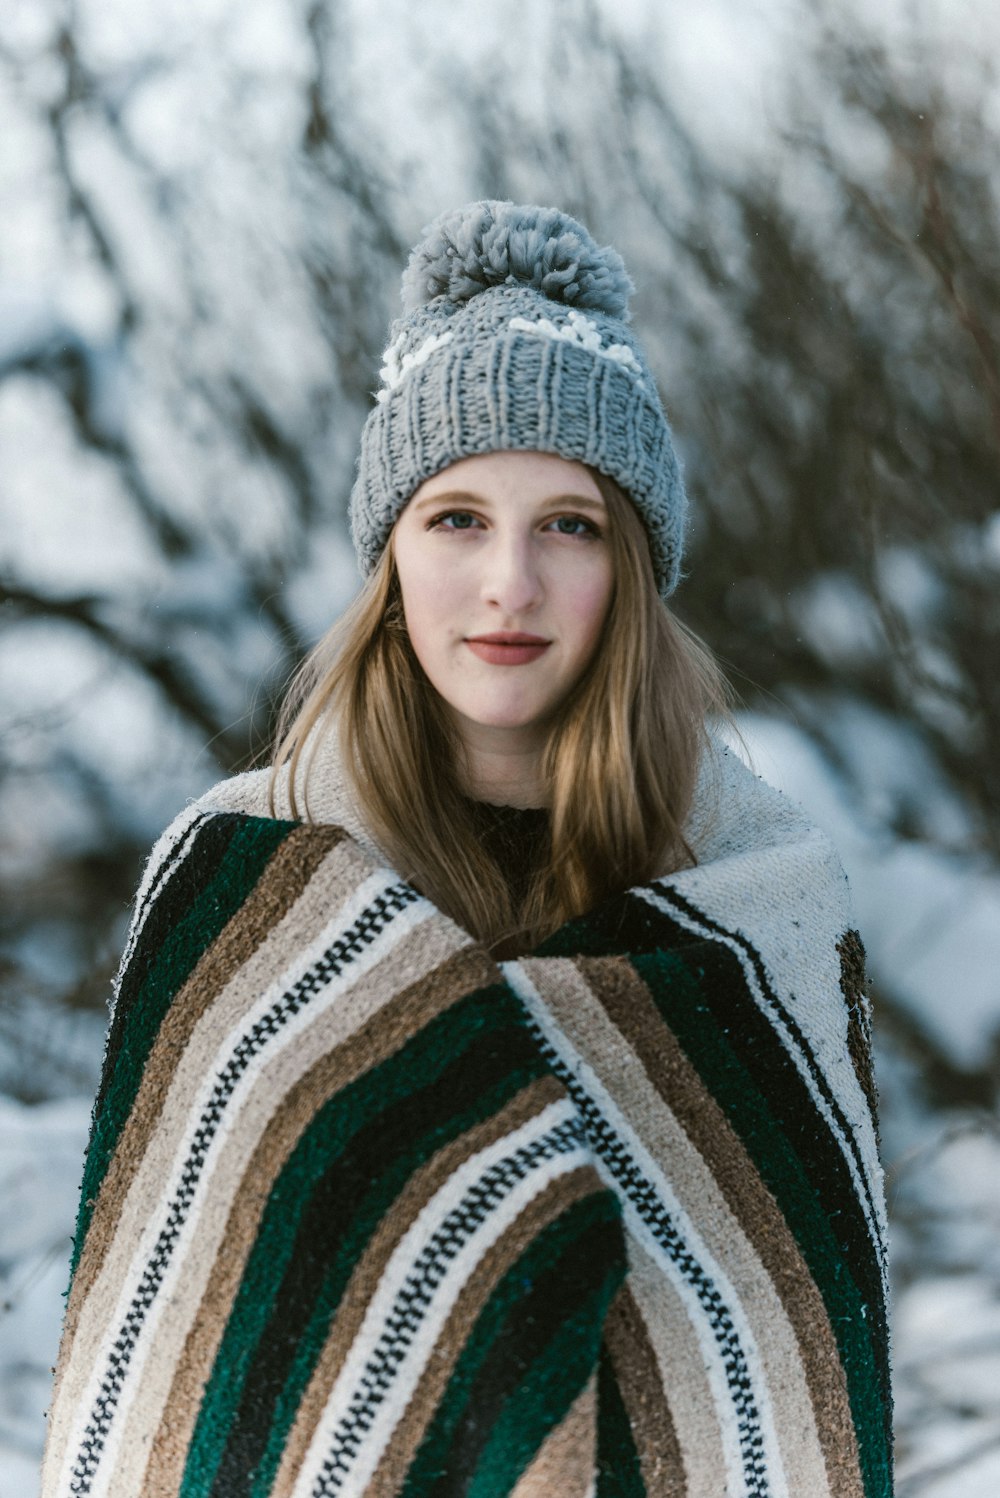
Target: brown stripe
{"type": "Point", "coordinates": [371, 1267]}
{"type": "Point", "coordinates": [638, 1376]}
{"type": "Point", "coordinates": [432, 1385]}
{"type": "Point", "coordinates": [280, 884]}
{"type": "Point", "coordinates": [567, 1459]}
{"type": "Point", "coordinates": [210, 1038]}
{"type": "Point", "coordinates": [114, 1230]}
{"type": "Point", "coordinates": [683, 1373]}
{"type": "Point", "coordinates": [332, 1070]}
{"type": "Point", "coordinates": [629, 1005]}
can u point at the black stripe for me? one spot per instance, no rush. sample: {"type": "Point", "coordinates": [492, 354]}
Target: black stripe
{"type": "Point", "coordinates": [378, 914]}
{"type": "Point", "coordinates": [548, 1303]}
{"type": "Point", "coordinates": [806, 1050]}
{"type": "Point", "coordinates": [429, 1271]}
{"type": "Point", "coordinates": [364, 1179]}
{"type": "Point", "coordinates": [644, 1198]}
{"type": "Point", "coordinates": [183, 886]}
{"type": "Point", "coordinates": [722, 985]}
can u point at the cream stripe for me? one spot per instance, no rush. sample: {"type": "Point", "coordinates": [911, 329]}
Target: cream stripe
{"type": "Point", "coordinates": [567, 1459]}
{"type": "Point", "coordinates": [146, 1178]}
{"type": "Point", "coordinates": [772, 1014]}
{"type": "Point", "coordinates": [605, 1050]}
{"type": "Point", "coordinates": [333, 1071]}
{"type": "Point", "coordinates": [711, 1354]}
{"type": "Point", "coordinates": [325, 1061]}
{"type": "Point", "coordinates": [371, 1268]}
{"type": "Point", "coordinates": [351, 1380]}
{"type": "Point", "coordinates": [692, 1406]}
{"type": "Point", "coordinates": [158, 1181]}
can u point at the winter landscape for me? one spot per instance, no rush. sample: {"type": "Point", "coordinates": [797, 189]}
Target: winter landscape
{"type": "Point", "coordinates": [205, 212]}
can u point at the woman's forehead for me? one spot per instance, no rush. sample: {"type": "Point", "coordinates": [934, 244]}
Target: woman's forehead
{"type": "Point", "coordinates": [527, 473]}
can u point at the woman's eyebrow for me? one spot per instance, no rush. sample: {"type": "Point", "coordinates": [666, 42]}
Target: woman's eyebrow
{"type": "Point", "coordinates": [459, 496]}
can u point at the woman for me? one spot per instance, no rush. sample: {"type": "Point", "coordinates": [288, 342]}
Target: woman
{"type": "Point", "coordinates": [487, 1105]}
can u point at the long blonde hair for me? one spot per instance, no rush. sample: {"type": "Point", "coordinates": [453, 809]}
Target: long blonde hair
{"type": "Point", "coordinates": [620, 764]}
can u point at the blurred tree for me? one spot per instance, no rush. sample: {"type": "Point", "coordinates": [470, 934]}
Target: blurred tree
{"type": "Point", "coordinates": [826, 335]}
{"type": "Point", "coordinates": [202, 242]}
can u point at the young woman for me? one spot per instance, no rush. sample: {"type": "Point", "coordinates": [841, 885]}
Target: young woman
{"type": "Point", "coordinates": [487, 1105]}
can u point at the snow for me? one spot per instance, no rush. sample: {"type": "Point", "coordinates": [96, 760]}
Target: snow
{"type": "Point", "coordinates": [944, 1186]}
{"type": "Point", "coordinates": [213, 137]}
{"type": "Point", "coordinates": [41, 1143]}
{"type": "Point", "coordinates": [930, 920]}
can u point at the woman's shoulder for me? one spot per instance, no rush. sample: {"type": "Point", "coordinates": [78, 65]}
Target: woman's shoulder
{"type": "Point", "coordinates": [247, 793]}
{"type": "Point", "coordinates": [735, 810]}
{"type": "Point", "coordinates": [328, 799]}
{"type": "Point", "coordinates": [762, 863]}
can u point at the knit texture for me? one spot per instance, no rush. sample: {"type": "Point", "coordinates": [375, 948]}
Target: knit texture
{"type": "Point", "coordinates": [515, 336]}
{"type": "Point", "coordinates": [364, 1212]}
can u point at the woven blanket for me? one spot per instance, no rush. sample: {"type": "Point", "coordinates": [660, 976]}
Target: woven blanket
{"type": "Point", "coordinates": [364, 1212]}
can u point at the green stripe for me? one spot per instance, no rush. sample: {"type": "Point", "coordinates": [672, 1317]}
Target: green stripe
{"type": "Point", "coordinates": [249, 852]}
{"type": "Point", "coordinates": [677, 995]}
{"type": "Point", "coordinates": [425, 1057]}
{"type": "Point", "coordinates": [545, 1396]}
{"type": "Point", "coordinates": [557, 1240]}
{"type": "Point", "coordinates": [619, 1474]}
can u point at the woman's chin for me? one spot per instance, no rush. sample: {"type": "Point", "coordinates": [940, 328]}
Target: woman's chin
{"type": "Point", "coordinates": [500, 718]}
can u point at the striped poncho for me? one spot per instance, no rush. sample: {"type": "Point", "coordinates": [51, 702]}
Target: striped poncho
{"type": "Point", "coordinates": [365, 1213]}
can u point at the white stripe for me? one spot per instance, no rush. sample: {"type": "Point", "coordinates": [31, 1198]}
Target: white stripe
{"type": "Point", "coordinates": [349, 1385]}
{"type": "Point", "coordinates": [712, 1354]}
{"type": "Point", "coordinates": [161, 854]}
{"type": "Point", "coordinates": [355, 968]}
{"type": "Point", "coordinates": [775, 1019]}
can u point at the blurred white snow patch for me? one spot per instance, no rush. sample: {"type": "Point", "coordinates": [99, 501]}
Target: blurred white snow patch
{"type": "Point", "coordinates": [937, 1314]}
{"type": "Point", "coordinates": [262, 37]}
{"type": "Point", "coordinates": [117, 32]}
{"type": "Point", "coordinates": [838, 618]}
{"type": "Point", "coordinates": [44, 1141]}
{"type": "Point", "coordinates": [65, 519]}
{"type": "Point", "coordinates": [946, 1337]}
{"type": "Point", "coordinates": [41, 1150]}
{"type": "Point", "coordinates": [930, 919]}
{"type": "Point", "coordinates": [323, 588]}
{"type": "Point", "coordinates": [26, 26]}
{"type": "Point", "coordinates": [727, 68]}
{"type": "Point", "coordinates": [909, 582]}
{"type": "Point", "coordinates": [991, 540]}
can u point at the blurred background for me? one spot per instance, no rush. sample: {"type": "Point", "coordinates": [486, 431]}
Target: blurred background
{"type": "Point", "coordinates": [205, 212]}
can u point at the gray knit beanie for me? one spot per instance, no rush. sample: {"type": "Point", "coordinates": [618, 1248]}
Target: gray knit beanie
{"type": "Point", "coordinates": [513, 335]}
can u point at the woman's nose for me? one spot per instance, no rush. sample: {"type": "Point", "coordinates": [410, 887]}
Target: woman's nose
{"type": "Point", "coordinates": [511, 579]}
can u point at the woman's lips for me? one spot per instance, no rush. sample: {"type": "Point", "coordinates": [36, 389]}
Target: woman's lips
{"type": "Point", "coordinates": [507, 650]}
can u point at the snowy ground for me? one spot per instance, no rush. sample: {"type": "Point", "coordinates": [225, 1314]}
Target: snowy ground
{"type": "Point", "coordinates": [943, 1169]}
{"type": "Point", "coordinates": [930, 918]}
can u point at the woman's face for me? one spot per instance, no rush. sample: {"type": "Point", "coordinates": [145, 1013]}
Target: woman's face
{"type": "Point", "coordinates": [505, 569]}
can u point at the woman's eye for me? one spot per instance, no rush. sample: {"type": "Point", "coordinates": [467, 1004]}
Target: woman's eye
{"type": "Point", "coordinates": [455, 520]}
{"type": "Point", "coordinates": [574, 525]}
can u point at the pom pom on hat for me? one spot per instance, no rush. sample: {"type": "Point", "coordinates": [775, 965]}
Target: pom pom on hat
{"type": "Point", "coordinates": [513, 337]}
{"type": "Point", "coordinates": [494, 243]}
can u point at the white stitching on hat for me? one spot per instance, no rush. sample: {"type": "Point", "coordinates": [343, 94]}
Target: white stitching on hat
{"type": "Point", "coordinates": [395, 368]}
{"type": "Point", "coordinates": [585, 334]}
